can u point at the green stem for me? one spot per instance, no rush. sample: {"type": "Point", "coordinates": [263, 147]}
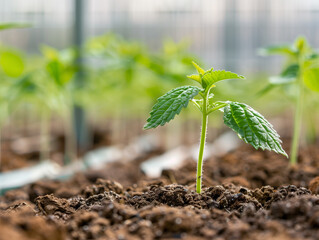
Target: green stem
{"type": "Point", "coordinates": [217, 108]}
{"type": "Point", "coordinates": [45, 135]}
{"type": "Point", "coordinates": [202, 146]}
{"type": "Point", "coordinates": [297, 121]}
{"type": "Point", "coordinates": [70, 141]}
{"type": "Point", "coordinates": [0, 153]}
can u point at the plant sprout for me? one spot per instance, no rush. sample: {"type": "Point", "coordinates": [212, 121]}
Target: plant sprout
{"type": "Point", "coordinates": [11, 67]}
{"type": "Point", "coordinates": [60, 70]}
{"type": "Point", "coordinates": [11, 63]}
{"type": "Point", "coordinates": [250, 125]}
{"type": "Point", "coordinates": [301, 69]}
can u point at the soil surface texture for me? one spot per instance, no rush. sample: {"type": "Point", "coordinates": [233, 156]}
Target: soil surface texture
{"type": "Point", "coordinates": [247, 194]}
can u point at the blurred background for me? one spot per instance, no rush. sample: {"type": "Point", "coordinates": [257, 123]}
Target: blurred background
{"type": "Point", "coordinates": [85, 74]}
{"type": "Point", "coordinates": [223, 33]}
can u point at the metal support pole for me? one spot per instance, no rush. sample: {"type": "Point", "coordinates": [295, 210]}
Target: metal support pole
{"type": "Point", "coordinates": [80, 123]}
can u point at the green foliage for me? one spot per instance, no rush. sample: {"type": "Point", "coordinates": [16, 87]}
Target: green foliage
{"type": "Point", "coordinates": [170, 104]}
{"type": "Point", "coordinates": [251, 126]}
{"type": "Point", "coordinates": [102, 45]}
{"type": "Point", "coordinates": [311, 79]}
{"type": "Point", "coordinates": [301, 60]}
{"type": "Point", "coordinates": [11, 63]}
{"type": "Point", "coordinates": [300, 71]}
{"type": "Point", "coordinates": [60, 64]}
{"type": "Point", "coordinates": [24, 90]}
{"type": "Point", "coordinates": [42, 85]}
{"type": "Point", "coordinates": [118, 67]}
{"type": "Point", "coordinates": [279, 49]}
{"type": "Point", "coordinates": [4, 26]}
{"type": "Point", "coordinates": [210, 77]}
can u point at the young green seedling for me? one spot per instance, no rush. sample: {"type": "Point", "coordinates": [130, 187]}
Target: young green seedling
{"type": "Point", "coordinates": [301, 69]}
{"type": "Point", "coordinates": [60, 69]}
{"type": "Point", "coordinates": [11, 64]}
{"type": "Point", "coordinates": [250, 125]}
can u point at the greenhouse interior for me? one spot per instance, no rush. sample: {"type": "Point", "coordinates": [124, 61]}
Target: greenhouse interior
{"type": "Point", "coordinates": [168, 119]}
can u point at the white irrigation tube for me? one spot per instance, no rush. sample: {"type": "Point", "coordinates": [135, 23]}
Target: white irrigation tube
{"type": "Point", "coordinates": [174, 158]}
{"type": "Point", "coordinates": [20, 177]}
{"type": "Point", "coordinates": [93, 159]}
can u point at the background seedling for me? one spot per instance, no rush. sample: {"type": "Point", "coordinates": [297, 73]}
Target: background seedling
{"type": "Point", "coordinates": [118, 67]}
{"type": "Point", "coordinates": [12, 65]}
{"type": "Point", "coordinates": [250, 125]}
{"type": "Point", "coordinates": [60, 69]}
{"type": "Point", "coordinates": [301, 69]}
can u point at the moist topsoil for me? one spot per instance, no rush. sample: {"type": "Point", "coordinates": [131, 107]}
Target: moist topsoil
{"type": "Point", "coordinates": [247, 194]}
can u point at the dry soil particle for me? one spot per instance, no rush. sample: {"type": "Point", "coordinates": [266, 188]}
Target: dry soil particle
{"type": "Point", "coordinates": [102, 186]}
{"type": "Point", "coordinates": [49, 204]}
{"type": "Point", "coordinates": [314, 185]}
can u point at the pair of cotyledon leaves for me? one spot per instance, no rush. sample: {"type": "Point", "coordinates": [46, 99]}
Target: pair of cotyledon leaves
{"type": "Point", "coordinates": [250, 125]}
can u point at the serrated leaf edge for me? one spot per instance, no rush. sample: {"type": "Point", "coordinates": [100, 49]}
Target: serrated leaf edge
{"type": "Point", "coordinates": [177, 112]}
{"type": "Point", "coordinates": [269, 125]}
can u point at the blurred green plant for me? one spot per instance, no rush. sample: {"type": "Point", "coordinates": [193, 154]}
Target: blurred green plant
{"type": "Point", "coordinates": [44, 89]}
{"type": "Point", "coordinates": [29, 88]}
{"type": "Point", "coordinates": [12, 65]}
{"type": "Point", "coordinates": [250, 125]}
{"type": "Point", "coordinates": [116, 71]}
{"type": "Point", "coordinates": [5, 26]}
{"type": "Point", "coordinates": [300, 70]}
{"type": "Point", "coordinates": [60, 68]}
{"type": "Point", "coordinates": [121, 67]}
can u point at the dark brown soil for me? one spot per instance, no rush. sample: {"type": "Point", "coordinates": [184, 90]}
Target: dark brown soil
{"type": "Point", "coordinates": [246, 195]}
{"type": "Point", "coordinates": [251, 168]}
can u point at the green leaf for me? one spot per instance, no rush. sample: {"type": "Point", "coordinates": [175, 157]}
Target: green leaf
{"type": "Point", "coordinates": [50, 53]}
{"type": "Point", "coordinates": [195, 78]}
{"type": "Point", "coordinates": [4, 26]}
{"type": "Point", "coordinates": [11, 63]}
{"type": "Point", "coordinates": [278, 50]}
{"type": "Point", "coordinates": [312, 61]}
{"type": "Point", "coordinates": [301, 44]}
{"type": "Point", "coordinates": [252, 127]}
{"type": "Point", "coordinates": [60, 73]}
{"type": "Point", "coordinates": [55, 69]}
{"type": "Point", "coordinates": [288, 76]}
{"type": "Point", "coordinates": [198, 68]}
{"type": "Point", "coordinates": [211, 77]}
{"type": "Point", "coordinates": [291, 71]}
{"type": "Point", "coordinates": [311, 79]}
{"type": "Point", "coordinates": [170, 104]}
